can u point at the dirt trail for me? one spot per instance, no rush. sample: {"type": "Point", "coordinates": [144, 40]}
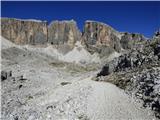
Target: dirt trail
{"type": "Point", "coordinates": [108, 102]}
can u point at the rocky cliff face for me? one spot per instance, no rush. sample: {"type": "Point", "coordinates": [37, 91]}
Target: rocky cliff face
{"type": "Point", "coordinates": [24, 31]}
{"type": "Point", "coordinates": [37, 32]}
{"type": "Point", "coordinates": [96, 36]}
{"type": "Point", "coordinates": [63, 32]}
{"type": "Point", "coordinates": [100, 34]}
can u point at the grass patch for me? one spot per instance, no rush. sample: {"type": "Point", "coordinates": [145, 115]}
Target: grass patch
{"type": "Point", "coordinates": [58, 64]}
{"type": "Point", "coordinates": [75, 68]}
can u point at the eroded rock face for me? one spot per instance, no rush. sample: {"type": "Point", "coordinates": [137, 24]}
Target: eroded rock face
{"type": "Point", "coordinates": [63, 33]}
{"type": "Point", "coordinates": [99, 34]}
{"type": "Point", "coordinates": [24, 31]}
{"type": "Point", "coordinates": [37, 32]}
{"type": "Point", "coordinates": [132, 40]}
{"type": "Point", "coordinates": [96, 36]}
{"type": "Point", "coordinates": [5, 28]}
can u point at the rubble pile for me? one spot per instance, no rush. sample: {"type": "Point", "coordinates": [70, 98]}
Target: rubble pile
{"type": "Point", "coordinates": [146, 86]}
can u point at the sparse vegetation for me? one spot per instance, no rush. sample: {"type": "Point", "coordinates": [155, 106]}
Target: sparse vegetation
{"type": "Point", "coordinates": [75, 68]}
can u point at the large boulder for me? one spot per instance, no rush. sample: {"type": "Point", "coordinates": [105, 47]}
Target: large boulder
{"type": "Point", "coordinates": [63, 33]}
{"type": "Point", "coordinates": [24, 31]}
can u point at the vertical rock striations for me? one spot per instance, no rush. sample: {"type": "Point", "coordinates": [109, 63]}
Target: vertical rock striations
{"type": "Point", "coordinates": [63, 33]}
{"type": "Point", "coordinates": [5, 28]}
{"type": "Point", "coordinates": [101, 38]}
{"type": "Point", "coordinates": [37, 32]}
{"type": "Point", "coordinates": [96, 36]}
{"type": "Point", "coordinates": [24, 31]}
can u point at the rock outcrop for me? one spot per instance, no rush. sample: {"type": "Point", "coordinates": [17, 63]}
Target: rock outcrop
{"type": "Point", "coordinates": [100, 34]}
{"type": "Point", "coordinates": [132, 40]}
{"type": "Point", "coordinates": [24, 31]}
{"type": "Point", "coordinates": [63, 32]}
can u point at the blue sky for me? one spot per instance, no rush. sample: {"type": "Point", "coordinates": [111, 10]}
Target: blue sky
{"type": "Point", "coordinates": [138, 17]}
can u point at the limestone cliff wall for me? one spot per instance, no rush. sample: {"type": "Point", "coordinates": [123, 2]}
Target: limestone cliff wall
{"type": "Point", "coordinates": [100, 34]}
{"type": "Point", "coordinates": [97, 36]}
{"type": "Point", "coordinates": [24, 31]}
{"type": "Point", "coordinates": [63, 33]}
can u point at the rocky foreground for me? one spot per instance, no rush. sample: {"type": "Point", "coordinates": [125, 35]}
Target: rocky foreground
{"type": "Point", "coordinates": [137, 72]}
{"type": "Point", "coordinates": [36, 87]}
{"type": "Point", "coordinates": [55, 72]}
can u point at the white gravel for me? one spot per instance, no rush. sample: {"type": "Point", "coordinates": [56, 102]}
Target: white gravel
{"type": "Point", "coordinates": [43, 97]}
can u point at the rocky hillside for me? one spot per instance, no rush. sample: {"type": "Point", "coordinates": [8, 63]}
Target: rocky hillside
{"type": "Point", "coordinates": [137, 72]}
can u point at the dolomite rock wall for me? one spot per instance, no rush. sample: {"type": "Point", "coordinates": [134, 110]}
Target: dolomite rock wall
{"type": "Point", "coordinates": [24, 31]}
{"type": "Point", "coordinates": [96, 36]}
{"type": "Point", "coordinates": [100, 34]}
{"type": "Point", "coordinates": [63, 33]}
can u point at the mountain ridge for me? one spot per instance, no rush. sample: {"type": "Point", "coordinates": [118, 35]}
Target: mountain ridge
{"type": "Point", "coordinates": [65, 32]}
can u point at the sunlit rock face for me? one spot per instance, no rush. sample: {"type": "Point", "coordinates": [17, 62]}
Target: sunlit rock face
{"type": "Point", "coordinates": [63, 33]}
{"type": "Point", "coordinates": [96, 36]}
{"type": "Point", "coordinates": [24, 31]}
{"type": "Point", "coordinates": [100, 34]}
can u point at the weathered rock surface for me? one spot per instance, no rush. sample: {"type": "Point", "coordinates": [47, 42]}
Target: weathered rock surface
{"type": "Point", "coordinates": [132, 40]}
{"type": "Point", "coordinates": [5, 75]}
{"type": "Point", "coordinates": [146, 86]}
{"type": "Point", "coordinates": [95, 34]}
{"type": "Point", "coordinates": [148, 54]}
{"type": "Point", "coordinates": [63, 32]}
{"type": "Point", "coordinates": [137, 72]}
{"type": "Point", "coordinates": [100, 34]}
{"type": "Point", "coordinates": [24, 31]}
{"type": "Point", "coordinates": [97, 37]}
{"type": "Point", "coordinates": [37, 32]}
